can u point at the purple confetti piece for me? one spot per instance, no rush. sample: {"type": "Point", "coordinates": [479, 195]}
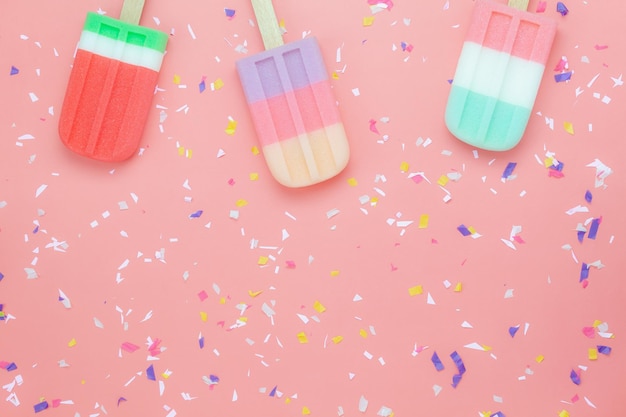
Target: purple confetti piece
{"type": "Point", "coordinates": [456, 379]}
{"type": "Point", "coordinates": [273, 391]}
{"type": "Point", "coordinates": [230, 13]}
{"type": "Point", "coordinates": [566, 76]}
{"type": "Point", "coordinates": [458, 362]}
{"type": "Point", "coordinates": [464, 230]}
{"type": "Point", "coordinates": [584, 272]}
{"type": "Point", "coordinates": [201, 342]}
{"type": "Point", "coordinates": [36, 229]}
{"type": "Point", "coordinates": [121, 400]}
{"type": "Point", "coordinates": [508, 171]}
{"type": "Point", "coordinates": [11, 367]}
{"type": "Point", "coordinates": [1, 276]}
{"type": "Point", "coordinates": [196, 214]}
{"type": "Point", "coordinates": [214, 379]}
{"type": "Point", "coordinates": [561, 8]}
{"type": "Point", "coordinates": [593, 230]}
{"type": "Point", "coordinates": [580, 235]}
{"type": "Point", "coordinates": [574, 377]}
{"type": "Point", "coordinates": [14, 70]}
{"type": "Point", "coordinates": [605, 350]}
{"type": "Point", "coordinates": [150, 373]}
{"type": "Point", "coordinates": [437, 362]}
{"type": "Point", "coordinates": [498, 414]}
{"type": "Point", "coordinates": [41, 406]}
{"type": "Point", "coordinates": [513, 330]}
{"type": "Point", "coordinates": [588, 196]}
{"type": "Point", "coordinates": [202, 86]}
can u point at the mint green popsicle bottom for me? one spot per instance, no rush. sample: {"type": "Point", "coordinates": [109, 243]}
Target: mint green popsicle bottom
{"type": "Point", "coordinates": [483, 121]}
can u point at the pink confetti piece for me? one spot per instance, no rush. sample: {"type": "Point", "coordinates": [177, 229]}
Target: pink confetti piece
{"type": "Point", "coordinates": [129, 347]}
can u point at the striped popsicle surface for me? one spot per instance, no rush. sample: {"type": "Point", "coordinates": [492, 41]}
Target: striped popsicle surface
{"type": "Point", "coordinates": [294, 113]}
{"type": "Point", "coordinates": [111, 86]}
{"type": "Point", "coordinates": [498, 75]}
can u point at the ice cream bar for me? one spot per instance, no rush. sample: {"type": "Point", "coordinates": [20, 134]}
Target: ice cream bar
{"type": "Point", "coordinates": [111, 85]}
{"type": "Point", "coordinates": [498, 74]}
{"type": "Point", "coordinates": [292, 106]}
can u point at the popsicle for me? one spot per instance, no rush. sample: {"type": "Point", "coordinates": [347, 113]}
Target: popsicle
{"type": "Point", "coordinates": [292, 106]}
{"type": "Point", "coordinates": [111, 85]}
{"type": "Point", "coordinates": [498, 74]}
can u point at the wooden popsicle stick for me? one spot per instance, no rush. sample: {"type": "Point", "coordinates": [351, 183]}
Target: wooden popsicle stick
{"type": "Point", "coordinates": [131, 11]}
{"type": "Point", "coordinates": [519, 4]}
{"type": "Point", "coordinates": [268, 24]}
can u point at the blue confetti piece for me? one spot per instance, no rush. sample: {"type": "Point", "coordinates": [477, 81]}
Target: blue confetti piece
{"type": "Point", "coordinates": [574, 377]}
{"type": "Point", "coordinates": [230, 13]}
{"type": "Point", "coordinates": [196, 214]}
{"type": "Point", "coordinates": [513, 330]}
{"type": "Point", "coordinates": [36, 229]}
{"type": "Point", "coordinates": [41, 406]}
{"type": "Point", "coordinates": [508, 171]}
{"type": "Point", "coordinates": [605, 350]}
{"type": "Point", "coordinates": [566, 76]}
{"type": "Point", "coordinates": [498, 414]}
{"type": "Point", "coordinates": [202, 86]}
{"type": "Point", "coordinates": [1, 276]}
{"type": "Point", "coordinates": [464, 230]}
{"type": "Point", "coordinates": [273, 391]}
{"type": "Point", "coordinates": [588, 196]}
{"type": "Point", "coordinates": [558, 167]}
{"type": "Point", "coordinates": [214, 379]}
{"type": "Point", "coordinates": [201, 342]}
{"type": "Point", "coordinates": [584, 272]}
{"type": "Point", "coordinates": [12, 367]}
{"type": "Point", "coordinates": [437, 362]}
{"type": "Point", "coordinates": [458, 362]}
{"type": "Point", "coordinates": [14, 70]}
{"type": "Point", "coordinates": [456, 379]}
{"type": "Point", "coordinates": [561, 8]}
{"type": "Point", "coordinates": [150, 373]}
{"type": "Point", "coordinates": [580, 235]}
{"type": "Point", "coordinates": [593, 230]}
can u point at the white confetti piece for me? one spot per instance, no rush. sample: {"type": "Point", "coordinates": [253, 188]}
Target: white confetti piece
{"type": "Point", "coordinates": [123, 265]}
{"type": "Point", "coordinates": [437, 389]}
{"type": "Point", "coordinates": [332, 213]}
{"type": "Point", "coordinates": [475, 346]}
{"type": "Point", "coordinates": [40, 190]}
{"type": "Point", "coordinates": [3, 204]}
{"type": "Point", "coordinates": [509, 243]}
{"type": "Point", "coordinates": [363, 404]}
{"type": "Point", "coordinates": [64, 300]}
{"type": "Point", "coordinates": [385, 411]}
{"type": "Point", "coordinates": [577, 209]}
{"type": "Point", "coordinates": [33, 97]}
{"type": "Point", "coordinates": [30, 273]}
{"type": "Point", "coordinates": [466, 325]}
{"type": "Point", "coordinates": [430, 300]}
{"type": "Point", "coordinates": [26, 136]}
{"type": "Point", "coordinates": [509, 293]}
{"type": "Point", "coordinates": [357, 297]}
{"type": "Point", "coordinates": [98, 323]}
{"type": "Point", "coordinates": [356, 92]}
{"type": "Point", "coordinates": [235, 396]}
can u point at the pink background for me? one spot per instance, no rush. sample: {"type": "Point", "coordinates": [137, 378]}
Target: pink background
{"type": "Point", "coordinates": [76, 236]}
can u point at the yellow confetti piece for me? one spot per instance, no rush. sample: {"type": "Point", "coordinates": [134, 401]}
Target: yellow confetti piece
{"type": "Point", "coordinates": [404, 167]}
{"type": "Point", "coordinates": [232, 126]}
{"type": "Point", "coordinates": [181, 151]}
{"type": "Point", "coordinates": [423, 224]}
{"type": "Point", "coordinates": [254, 293]}
{"type": "Point", "coordinates": [539, 358]}
{"type": "Point", "coordinates": [281, 23]}
{"type": "Point", "coordinates": [255, 150]}
{"type": "Point", "coordinates": [253, 176]}
{"type": "Point", "coordinates": [222, 300]}
{"type": "Point", "coordinates": [374, 201]}
{"type": "Point", "coordinates": [486, 348]}
{"type": "Point", "coordinates": [287, 400]}
{"type": "Point", "coordinates": [471, 229]}
{"type": "Point", "coordinates": [165, 375]}
{"type": "Point", "coordinates": [337, 339]}
{"type": "Point", "coordinates": [334, 273]}
{"type": "Point", "coordinates": [263, 260]}
{"type": "Point", "coordinates": [363, 333]}
{"type": "Point", "coordinates": [352, 182]}
{"type": "Point", "coordinates": [569, 128]}
{"type": "Point", "coordinates": [71, 343]}
{"type": "Point", "coordinates": [83, 382]}
{"type": "Point", "coordinates": [243, 319]}
{"type": "Point", "coordinates": [368, 21]}
{"type": "Point", "coordinates": [302, 338]}
{"type": "Point", "coordinates": [203, 316]}
{"type": "Point", "coordinates": [319, 307]}
{"type": "Point", "coordinates": [306, 411]}
{"type": "Point", "coordinates": [564, 413]}
{"type": "Point", "coordinates": [176, 79]}
{"type": "Point", "coordinates": [241, 203]}
{"type": "Point", "coordinates": [596, 323]}
{"type": "Point", "coordinates": [217, 84]}
{"type": "Point", "coordinates": [548, 162]}
{"type": "Point", "coordinates": [458, 287]}
{"type": "Point", "coordinates": [335, 75]}
{"type": "Point", "coordinates": [593, 354]}
{"type": "Point", "coordinates": [416, 290]}
{"type": "Point", "coordinates": [443, 180]}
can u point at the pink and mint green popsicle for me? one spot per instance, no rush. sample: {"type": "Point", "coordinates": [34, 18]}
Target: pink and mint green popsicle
{"type": "Point", "coordinates": [111, 86]}
{"type": "Point", "coordinates": [293, 109]}
{"type": "Point", "coordinates": [498, 75]}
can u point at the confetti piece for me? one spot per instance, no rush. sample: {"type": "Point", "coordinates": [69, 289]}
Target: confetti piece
{"type": "Point", "coordinates": [575, 377]}
{"type": "Point", "coordinates": [565, 76]}
{"type": "Point", "coordinates": [306, 411]}
{"type": "Point", "coordinates": [593, 229]}
{"type": "Point", "coordinates": [437, 362]}
{"type": "Point", "coordinates": [72, 343]}
{"type": "Point", "coordinates": [14, 70]}
{"type": "Point", "coordinates": [460, 366]}
{"type": "Point", "coordinates": [129, 347]}
{"type": "Point", "coordinates": [464, 230]}
{"type": "Point", "coordinates": [513, 330]}
{"type": "Point", "coordinates": [368, 21]}
{"type": "Point", "coordinates": [231, 128]}
{"type": "Point", "coordinates": [593, 354]}
{"type": "Point", "coordinates": [121, 400]}
{"type": "Point", "coordinates": [541, 6]}
{"type": "Point", "coordinates": [605, 350]}
{"type": "Point", "coordinates": [337, 339]}
{"type": "Point", "coordinates": [539, 359]}
{"type": "Point", "coordinates": [458, 287]}
{"type": "Point", "coordinates": [302, 338]}
{"type": "Point", "coordinates": [150, 373]}
{"type": "Point", "coordinates": [196, 214]}
{"type": "Point", "coordinates": [563, 413]}
{"type": "Point", "coordinates": [363, 404]}
{"type": "Point", "coordinates": [230, 13]}
{"type": "Point", "coordinates": [423, 222]}
{"type": "Point", "coordinates": [416, 290]}
{"type": "Point", "coordinates": [561, 8]}
{"type": "Point", "coordinates": [319, 307]}
{"type": "Point", "coordinates": [569, 127]}
{"type": "Point", "coordinates": [508, 171]}
{"type": "Point", "coordinates": [41, 406]}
